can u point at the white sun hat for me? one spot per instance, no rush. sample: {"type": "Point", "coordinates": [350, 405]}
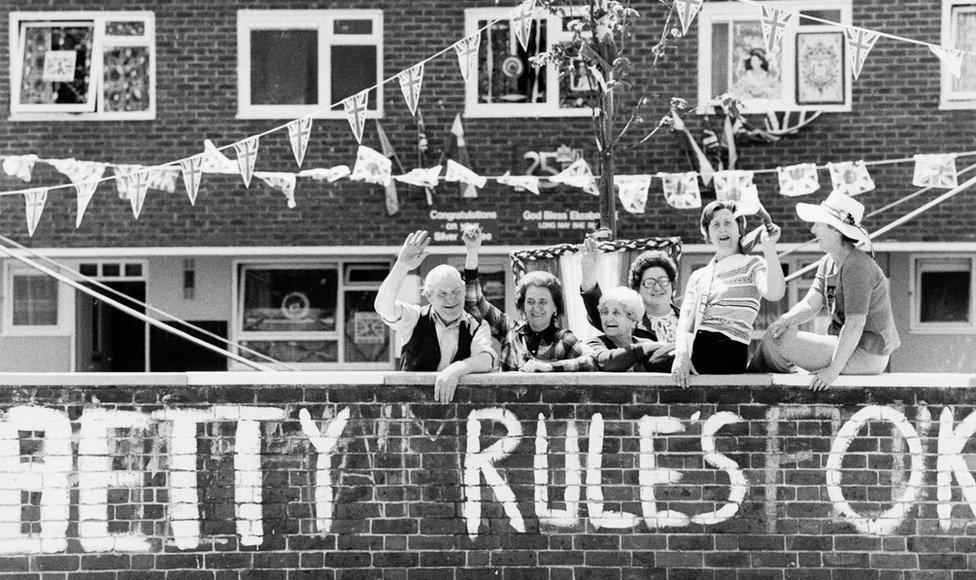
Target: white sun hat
{"type": "Point", "coordinates": [839, 211]}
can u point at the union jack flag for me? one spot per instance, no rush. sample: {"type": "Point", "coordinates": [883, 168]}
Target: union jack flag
{"type": "Point", "coordinates": [522, 17]}
{"type": "Point", "coordinates": [859, 44]}
{"type": "Point", "coordinates": [355, 107]}
{"type": "Point", "coordinates": [467, 53]}
{"type": "Point", "coordinates": [774, 23]}
{"type": "Point", "coordinates": [410, 82]}
{"type": "Point", "coordinates": [34, 200]}
{"type": "Point", "coordinates": [192, 172]}
{"type": "Point", "coordinates": [247, 155]}
{"type": "Point", "coordinates": [299, 132]}
{"type": "Point", "coordinates": [681, 190]}
{"type": "Point", "coordinates": [687, 10]}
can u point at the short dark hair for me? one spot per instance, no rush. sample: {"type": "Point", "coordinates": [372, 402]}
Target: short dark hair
{"type": "Point", "coordinates": [540, 279]}
{"type": "Point", "coordinates": [713, 208]}
{"type": "Point", "coordinates": [651, 259]}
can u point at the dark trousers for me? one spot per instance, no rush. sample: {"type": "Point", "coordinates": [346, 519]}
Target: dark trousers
{"type": "Point", "coordinates": [713, 353]}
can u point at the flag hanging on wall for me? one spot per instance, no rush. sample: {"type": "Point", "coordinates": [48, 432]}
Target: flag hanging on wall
{"type": "Point", "coordinates": [859, 44]}
{"type": "Point", "coordinates": [526, 182]}
{"type": "Point", "coordinates": [687, 10]}
{"type": "Point", "coordinates": [950, 57]}
{"type": "Point", "coordinates": [457, 172]}
{"type": "Point", "coordinates": [136, 187]}
{"type": "Point", "coordinates": [937, 170]}
{"type": "Point", "coordinates": [522, 17]}
{"type": "Point", "coordinates": [392, 199]}
{"type": "Point", "coordinates": [371, 167]}
{"type": "Point", "coordinates": [797, 180]}
{"type": "Point", "coordinates": [421, 177]}
{"type": "Point", "coordinates": [467, 54]}
{"type": "Point", "coordinates": [681, 190]}
{"type": "Point", "coordinates": [192, 169]}
{"type": "Point", "coordinates": [85, 176]}
{"type": "Point", "coordinates": [355, 107]}
{"type": "Point", "coordinates": [632, 191]}
{"type": "Point", "coordinates": [774, 23]}
{"type": "Point", "coordinates": [247, 155]}
{"type": "Point", "coordinates": [299, 132]}
{"type": "Point", "coordinates": [410, 83]}
{"type": "Point", "coordinates": [730, 183]}
{"type": "Point", "coordinates": [467, 189]}
{"type": "Point", "coordinates": [578, 174]}
{"type": "Point", "coordinates": [34, 200]}
{"type": "Point", "coordinates": [850, 178]}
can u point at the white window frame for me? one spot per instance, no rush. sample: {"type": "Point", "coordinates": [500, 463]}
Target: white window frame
{"type": "Point", "coordinates": [554, 35]}
{"type": "Point", "coordinates": [321, 21]}
{"type": "Point", "coordinates": [65, 313]}
{"type": "Point", "coordinates": [54, 112]}
{"type": "Point", "coordinates": [920, 263]}
{"type": "Point", "coordinates": [238, 335]}
{"type": "Point", "coordinates": [949, 99]}
{"type": "Point", "coordinates": [717, 12]}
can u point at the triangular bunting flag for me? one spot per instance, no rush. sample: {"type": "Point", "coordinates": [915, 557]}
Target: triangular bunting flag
{"type": "Point", "coordinates": [527, 182]}
{"type": "Point", "coordinates": [331, 175]}
{"type": "Point", "coordinates": [681, 190]}
{"type": "Point", "coordinates": [123, 184]}
{"type": "Point", "coordinates": [410, 82]}
{"type": "Point", "coordinates": [687, 10]}
{"type": "Point", "coordinates": [85, 176]}
{"type": "Point", "coordinates": [355, 107]}
{"type": "Point", "coordinates": [386, 148]}
{"type": "Point", "coordinates": [457, 172]}
{"type": "Point", "coordinates": [371, 167]}
{"type": "Point", "coordinates": [467, 53]}
{"type": "Point", "coordinates": [850, 178]}
{"type": "Point", "coordinates": [247, 155]}
{"type": "Point", "coordinates": [950, 57]}
{"type": "Point", "coordinates": [797, 180]}
{"type": "Point", "coordinates": [216, 162]}
{"type": "Point", "coordinates": [774, 23]}
{"type": "Point", "coordinates": [138, 184]}
{"type": "Point", "coordinates": [463, 157]}
{"type": "Point", "coordinates": [284, 182]}
{"type": "Point", "coordinates": [632, 191]}
{"type": "Point", "coordinates": [192, 169]}
{"type": "Point", "coordinates": [935, 171]}
{"type": "Point", "coordinates": [34, 200]}
{"type": "Point", "coordinates": [522, 17]}
{"type": "Point", "coordinates": [859, 44]}
{"type": "Point", "coordinates": [421, 177]}
{"type": "Point", "coordinates": [730, 184]}
{"type": "Point", "coordinates": [20, 166]}
{"type": "Point", "coordinates": [162, 178]}
{"type": "Point", "coordinates": [580, 175]}
{"type": "Point", "coordinates": [299, 132]}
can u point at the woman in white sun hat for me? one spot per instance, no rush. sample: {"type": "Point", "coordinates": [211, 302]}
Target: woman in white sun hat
{"type": "Point", "coordinates": [853, 289]}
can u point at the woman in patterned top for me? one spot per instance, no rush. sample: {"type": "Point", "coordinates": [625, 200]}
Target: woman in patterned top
{"type": "Point", "coordinates": [619, 348]}
{"type": "Point", "coordinates": [722, 299]}
{"type": "Point", "coordinates": [536, 344]}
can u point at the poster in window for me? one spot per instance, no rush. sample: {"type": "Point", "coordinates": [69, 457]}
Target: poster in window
{"type": "Point", "coordinates": [820, 68]}
{"type": "Point", "coordinates": [368, 328]}
{"type": "Point", "coordinates": [754, 74]}
{"type": "Point", "coordinates": [59, 66]}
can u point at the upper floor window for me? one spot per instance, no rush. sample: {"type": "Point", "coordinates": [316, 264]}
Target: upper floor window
{"type": "Point", "coordinates": [809, 73]}
{"type": "Point", "coordinates": [959, 31]}
{"type": "Point", "coordinates": [942, 295]}
{"type": "Point", "coordinates": [82, 65]}
{"type": "Point", "coordinates": [507, 85]}
{"type": "Point", "coordinates": [292, 63]}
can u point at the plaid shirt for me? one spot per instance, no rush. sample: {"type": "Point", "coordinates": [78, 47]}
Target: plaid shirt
{"type": "Point", "coordinates": [558, 347]}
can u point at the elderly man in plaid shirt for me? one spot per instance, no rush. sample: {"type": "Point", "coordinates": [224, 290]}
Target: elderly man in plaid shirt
{"type": "Point", "coordinates": [537, 344]}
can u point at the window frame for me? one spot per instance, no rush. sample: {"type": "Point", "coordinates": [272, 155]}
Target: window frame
{"type": "Point", "coordinates": [321, 21]}
{"type": "Point", "coordinates": [54, 112]}
{"type": "Point", "coordinates": [921, 263]}
{"type": "Point", "coordinates": [554, 34]}
{"type": "Point", "coordinates": [65, 306]}
{"type": "Point", "coordinates": [717, 12]}
{"type": "Point", "coordinates": [949, 99]}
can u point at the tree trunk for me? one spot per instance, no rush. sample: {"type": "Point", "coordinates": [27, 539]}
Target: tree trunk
{"type": "Point", "coordinates": [608, 205]}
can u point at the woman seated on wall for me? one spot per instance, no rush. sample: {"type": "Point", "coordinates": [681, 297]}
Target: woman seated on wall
{"type": "Point", "coordinates": [722, 298]}
{"type": "Point", "coordinates": [653, 276]}
{"type": "Point", "coordinates": [618, 348]}
{"type": "Point", "coordinates": [536, 344]}
{"type": "Point", "coordinates": [854, 291]}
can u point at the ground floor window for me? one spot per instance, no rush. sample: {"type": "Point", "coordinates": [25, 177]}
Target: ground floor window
{"type": "Point", "coordinates": [38, 304]}
{"type": "Point", "coordinates": [942, 294]}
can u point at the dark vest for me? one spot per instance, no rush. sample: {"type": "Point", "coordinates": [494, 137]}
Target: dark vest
{"type": "Point", "coordinates": [422, 352]}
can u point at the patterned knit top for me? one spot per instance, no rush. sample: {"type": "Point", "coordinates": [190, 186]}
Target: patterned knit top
{"type": "Point", "coordinates": [733, 298]}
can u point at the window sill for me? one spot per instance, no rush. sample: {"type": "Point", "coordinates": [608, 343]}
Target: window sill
{"type": "Point", "coordinates": [59, 117]}
{"type": "Point", "coordinates": [521, 111]}
{"type": "Point", "coordinates": [942, 329]}
{"type": "Point", "coordinates": [299, 112]}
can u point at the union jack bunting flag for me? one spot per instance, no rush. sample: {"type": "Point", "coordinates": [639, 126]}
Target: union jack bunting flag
{"type": "Point", "coordinates": [681, 190]}
{"type": "Point", "coordinates": [632, 191]}
{"type": "Point", "coordinates": [797, 180]}
{"type": "Point", "coordinates": [950, 57]}
{"type": "Point", "coordinates": [774, 23]}
{"type": "Point", "coordinates": [935, 171]}
{"type": "Point", "coordinates": [730, 183]}
{"type": "Point", "coordinates": [247, 155]}
{"type": "Point", "coordinates": [85, 192]}
{"type": "Point", "coordinates": [137, 185]}
{"type": "Point", "coordinates": [355, 107]}
{"type": "Point", "coordinates": [34, 200]}
{"type": "Point", "coordinates": [410, 83]}
{"type": "Point", "coordinates": [522, 17]}
{"type": "Point", "coordinates": [687, 10]}
{"type": "Point", "coordinates": [859, 44]}
{"type": "Point", "coordinates": [580, 175]}
{"type": "Point", "coordinates": [299, 131]}
{"type": "Point", "coordinates": [192, 169]}
{"type": "Point", "coordinates": [467, 53]}
{"type": "Point", "coordinates": [850, 178]}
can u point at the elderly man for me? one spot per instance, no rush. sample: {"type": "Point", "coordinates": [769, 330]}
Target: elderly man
{"type": "Point", "coordinates": [442, 336]}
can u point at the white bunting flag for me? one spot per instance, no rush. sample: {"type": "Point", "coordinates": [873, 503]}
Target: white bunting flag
{"type": "Point", "coordinates": [859, 44]}
{"type": "Point", "coordinates": [850, 178]}
{"type": "Point", "coordinates": [632, 191]}
{"type": "Point", "coordinates": [355, 107]}
{"type": "Point", "coordinates": [216, 162]}
{"type": "Point", "coordinates": [797, 180]}
{"type": "Point", "coordinates": [421, 177]}
{"type": "Point", "coordinates": [123, 185]}
{"type": "Point", "coordinates": [457, 172]}
{"type": "Point", "coordinates": [163, 178]}
{"type": "Point", "coordinates": [681, 190]}
{"type": "Point", "coordinates": [578, 174]}
{"type": "Point", "coordinates": [467, 53]}
{"type": "Point", "coordinates": [522, 17]}
{"type": "Point", "coordinates": [950, 57]}
{"type": "Point", "coordinates": [774, 23]}
{"type": "Point", "coordinates": [247, 155]}
{"type": "Point", "coordinates": [730, 184]}
{"type": "Point", "coordinates": [34, 200]}
{"type": "Point", "coordinates": [937, 170]}
{"type": "Point", "coordinates": [331, 175]}
{"type": "Point", "coordinates": [687, 10]}
{"type": "Point", "coordinates": [85, 176]}
{"type": "Point", "coordinates": [20, 166]}
{"type": "Point", "coordinates": [410, 83]}
{"type": "Point", "coordinates": [283, 182]}
{"type": "Point", "coordinates": [299, 132]}
{"type": "Point", "coordinates": [371, 167]}
{"type": "Point", "coordinates": [748, 202]}
{"type": "Point", "coordinates": [192, 169]}
{"type": "Point", "coordinates": [526, 182]}
{"type": "Point", "coordinates": [138, 184]}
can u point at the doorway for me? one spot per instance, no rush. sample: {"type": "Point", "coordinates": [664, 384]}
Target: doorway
{"type": "Point", "coordinates": [109, 340]}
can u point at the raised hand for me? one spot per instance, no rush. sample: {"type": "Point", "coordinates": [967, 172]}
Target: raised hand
{"type": "Point", "coordinates": [414, 249]}
{"type": "Point", "coordinates": [472, 237]}
{"type": "Point", "coordinates": [589, 251]}
{"type": "Point", "coordinates": [769, 236]}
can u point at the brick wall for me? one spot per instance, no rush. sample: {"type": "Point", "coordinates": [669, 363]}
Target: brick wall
{"type": "Point", "coordinates": [579, 476]}
{"type": "Point", "coordinates": [895, 114]}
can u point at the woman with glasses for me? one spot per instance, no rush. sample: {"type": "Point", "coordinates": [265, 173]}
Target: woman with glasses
{"type": "Point", "coordinates": [653, 276]}
{"type": "Point", "coordinates": [617, 349]}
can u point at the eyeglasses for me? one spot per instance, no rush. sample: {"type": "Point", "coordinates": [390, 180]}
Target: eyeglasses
{"type": "Point", "coordinates": [663, 283]}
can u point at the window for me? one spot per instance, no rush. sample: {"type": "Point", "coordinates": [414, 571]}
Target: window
{"type": "Point", "coordinates": [313, 315]}
{"type": "Point", "coordinates": [82, 65]}
{"type": "Point", "coordinates": [810, 73]}
{"type": "Point", "coordinates": [942, 295]}
{"type": "Point", "coordinates": [959, 31]}
{"type": "Point", "coordinates": [507, 85]}
{"type": "Point", "coordinates": [38, 304]}
{"type": "Point", "coordinates": [292, 63]}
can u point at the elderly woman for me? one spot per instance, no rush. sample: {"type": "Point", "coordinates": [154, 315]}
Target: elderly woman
{"type": "Point", "coordinates": [854, 291]}
{"type": "Point", "coordinates": [722, 299]}
{"type": "Point", "coordinates": [653, 276]}
{"type": "Point", "coordinates": [618, 349]}
{"type": "Point", "coordinates": [536, 344]}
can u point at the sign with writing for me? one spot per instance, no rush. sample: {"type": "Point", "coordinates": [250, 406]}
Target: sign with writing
{"type": "Point", "coordinates": [368, 328]}
{"type": "Point", "coordinates": [450, 224]}
{"type": "Point", "coordinates": [562, 220]}
{"type": "Point", "coordinates": [59, 66]}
